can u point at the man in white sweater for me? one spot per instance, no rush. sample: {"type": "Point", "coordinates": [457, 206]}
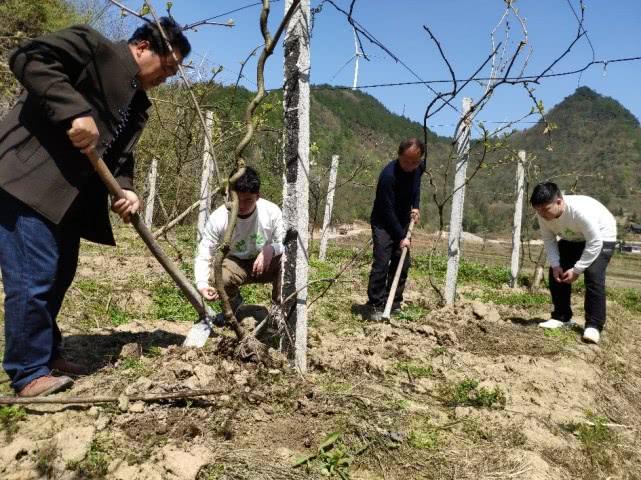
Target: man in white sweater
{"type": "Point", "coordinates": [579, 235]}
{"type": "Point", "coordinates": [256, 245]}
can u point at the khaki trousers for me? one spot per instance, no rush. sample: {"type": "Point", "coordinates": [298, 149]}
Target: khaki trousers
{"type": "Point", "coordinates": [237, 272]}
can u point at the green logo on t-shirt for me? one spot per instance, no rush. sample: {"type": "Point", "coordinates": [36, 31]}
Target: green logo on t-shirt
{"type": "Point", "coordinates": [240, 246]}
{"type": "Point", "coordinates": [258, 239]}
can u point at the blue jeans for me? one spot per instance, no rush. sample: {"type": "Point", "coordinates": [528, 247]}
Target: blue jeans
{"type": "Point", "coordinates": [38, 260]}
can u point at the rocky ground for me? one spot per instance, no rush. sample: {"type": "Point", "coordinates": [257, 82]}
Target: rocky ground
{"type": "Point", "coordinates": [473, 391]}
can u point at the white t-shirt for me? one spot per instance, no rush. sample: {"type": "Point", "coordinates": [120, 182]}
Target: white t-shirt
{"type": "Point", "coordinates": [583, 219]}
{"type": "Point", "coordinates": [263, 227]}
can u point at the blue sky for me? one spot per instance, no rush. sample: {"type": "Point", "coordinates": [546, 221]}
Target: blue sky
{"type": "Point", "coordinates": [463, 29]}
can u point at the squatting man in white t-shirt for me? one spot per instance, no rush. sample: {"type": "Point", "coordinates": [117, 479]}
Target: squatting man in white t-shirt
{"type": "Point", "coordinates": [256, 245]}
{"type": "Point", "coordinates": [579, 234]}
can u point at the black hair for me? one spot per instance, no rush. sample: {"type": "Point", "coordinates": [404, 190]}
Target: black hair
{"type": "Point", "coordinates": [149, 31]}
{"type": "Point", "coordinates": [409, 143]}
{"type": "Point", "coordinates": [249, 182]}
{"type": "Point", "coordinates": [545, 193]}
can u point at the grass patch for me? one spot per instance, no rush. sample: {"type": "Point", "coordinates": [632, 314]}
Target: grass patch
{"type": "Point", "coordinates": [10, 415]}
{"type": "Point", "coordinates": [412, 313]}
{"type": "Point", "coordinates": [566, 336]}
{"type": "Point", "coordinates": [469, 272]}
{"type": "Point", "coordinates": [468, 393]}
{"type": "Point", "coordinates": [517, 299]}
{"type": "Point", "coordinates": [256, 293]}
{"type": "Point", "coordinates": [331, 384]}
{"type": "Point", "coordinates": [414, 370]}
{"type": "Point", "coordinates": [118, 316]}
{"type": "Point", "coordinates": [628, 298]}
{"type": "Point", "coordinates": [424, 437]}
{"type": "Point", "coordinates": [170, 304]}
{"type": "Point", "coordinates": [480, 431]}
{"type": "Point", "coordinates": [134, 368]}
{"type": "Point", "coordinates": [597, 440]}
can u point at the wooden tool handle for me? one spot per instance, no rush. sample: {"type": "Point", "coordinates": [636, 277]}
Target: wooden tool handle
{"type": "Point", "coordinates": [397, 275]}
{"type": "Point", "coordinates": [176, 274]}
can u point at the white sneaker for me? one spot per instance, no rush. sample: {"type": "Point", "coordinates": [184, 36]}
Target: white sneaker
{"type": "Point", "coordinates": [553, 323]}
{"type": "Point", "coordinates": [591, 335]}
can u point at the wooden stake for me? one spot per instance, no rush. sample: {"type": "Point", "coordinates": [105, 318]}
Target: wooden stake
{"type": "Point", "coordinates": [329, 204]}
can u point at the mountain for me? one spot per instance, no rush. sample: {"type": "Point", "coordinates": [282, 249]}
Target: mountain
{"type": "Point", "coordinates": [594, 148]}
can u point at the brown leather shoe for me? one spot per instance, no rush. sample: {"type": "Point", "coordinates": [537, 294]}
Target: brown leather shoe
{"type": "Point", "coordinates": [45, 385]}
{"type": "Point", "coordinates": [63, 365]}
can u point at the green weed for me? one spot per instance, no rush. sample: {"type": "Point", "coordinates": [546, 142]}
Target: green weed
{"type": "Point", "coordinates": [566, 336]}
{"type": "Point", "coordinates": [412, 313]}
{"type": "Point", "coordinates": [414, 370]}
{"type": "Point", "coordinates": [10, 415]}
{"type": "Point", "coordinates": [467, 393]}
{"type": "Point", "coordinates": [118, 316]}
{"type": "Point", "coordinates": [332, 457]}
{"type": "Point", "coordinates": [424, 437]}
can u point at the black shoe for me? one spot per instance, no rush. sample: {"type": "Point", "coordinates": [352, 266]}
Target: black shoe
{"type": "Point", "coordinates": [372, 313]}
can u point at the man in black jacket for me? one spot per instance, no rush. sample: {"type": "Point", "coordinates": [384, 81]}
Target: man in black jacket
{"type": "Point", "coordinates": [81, 92]}
{"type": "Point", "coordinates": [398, 194]}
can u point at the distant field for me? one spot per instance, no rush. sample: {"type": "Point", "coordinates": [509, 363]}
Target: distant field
{"type": "Point", "coordinates": [624, 270]}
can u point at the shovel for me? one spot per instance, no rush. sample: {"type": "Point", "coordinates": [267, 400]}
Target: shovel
{"type": "Point", "coordinates": [200, 331]}
{"type": "Point", "coordinates": [397, 276]}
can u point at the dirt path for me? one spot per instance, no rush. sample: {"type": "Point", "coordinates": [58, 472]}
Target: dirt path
{"type": "Point", "coordinates": [477, 391]}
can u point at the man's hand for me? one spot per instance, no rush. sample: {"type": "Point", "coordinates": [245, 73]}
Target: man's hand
{"type": "Point", "coordinates": [415, 214]}
{"type": "Point", "coordinates": [569, 276]}
{"type": "Point", "coordinates": [557, 274]}
{"type": "Point", "coordinates": [263, 261]}
{"type": "Point", "coordinates": [209, 293]}
{"type": "Point", "coordinates": [125, 207]}
{"type": "Point", "coordinates": [84, 134]}
{"type": "Point", "coordinates": [404, 243]}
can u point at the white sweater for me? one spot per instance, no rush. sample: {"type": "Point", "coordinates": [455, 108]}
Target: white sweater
{"type": "Point", "coordinates": [583, 219]}
{"type": "Point", "coordinates": [263, 227]}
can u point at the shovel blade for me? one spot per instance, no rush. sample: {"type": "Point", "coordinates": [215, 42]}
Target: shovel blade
{"type": "Point", "coordinates": [198, 335]}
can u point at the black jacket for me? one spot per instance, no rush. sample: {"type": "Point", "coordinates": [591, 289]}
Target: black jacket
{"type": "Point", "coordinates": [67, 74]}
{"type": "Point", "coordinates": [397, 193]}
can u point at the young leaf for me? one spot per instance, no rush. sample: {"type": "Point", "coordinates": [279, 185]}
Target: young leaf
{"type": "Point", "coordinates": [329, 440]}
{"type": "Point", "coordinates": [303, 459]}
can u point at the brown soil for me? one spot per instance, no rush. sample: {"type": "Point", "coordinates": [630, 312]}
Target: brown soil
{"type": "Point", "coordinates": [390, 390]}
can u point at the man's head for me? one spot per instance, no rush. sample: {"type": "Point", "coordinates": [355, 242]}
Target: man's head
{"type": "Point", "coordinates": [248, 189]}
{"type": "Point", "coordinates": [547, 200]}
{"type": "Point", "coordinates": [155, 61]}
{"type": "Point", "coordinates": [410, 154]}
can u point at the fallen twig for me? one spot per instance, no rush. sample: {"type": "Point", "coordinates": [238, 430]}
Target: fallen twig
{"type": "Point", "coordinates": [154, 397]}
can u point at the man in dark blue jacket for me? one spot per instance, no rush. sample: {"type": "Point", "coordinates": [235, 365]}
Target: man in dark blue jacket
{"type": "Point", "coordinates": [397, 201]}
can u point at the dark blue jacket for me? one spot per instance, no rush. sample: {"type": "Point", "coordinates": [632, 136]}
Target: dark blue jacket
{"type": "Point", "coordinates": [397, 193]}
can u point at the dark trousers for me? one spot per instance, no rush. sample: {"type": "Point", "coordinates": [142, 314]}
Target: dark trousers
{"type": "Point", "coordinates": [594, 276]}
{"type": "Point", "coordinates": [387, 254]}
{"type": "Point", "coordinates": [38, 260]}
